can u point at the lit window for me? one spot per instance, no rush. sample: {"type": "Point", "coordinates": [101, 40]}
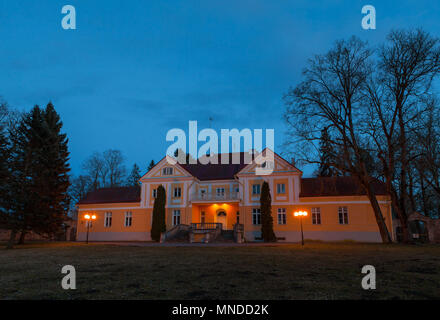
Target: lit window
{"type": "Point", "coordinates": [256, 216]}
{"type": "Point", "coordinates": [202, 217]}
{"type": "Point", "coordinates": [343, 215]}
{"type": "Point", "coordinates": [281, 188]}
{"type": "Point", "coordinates": [256, 189]}
{"type": "Point", "coordinates": [176, 217]}
{"type": "Point", "coordinates": [167, 171]}
{"type": "Point", "coordinates": [108, 220]}
{"type": "Point", "coordinates": [316, 215]}
{"type": "Point", "coordinates": [177, 192]}
{"type": "Point", "coordinates": [128, 219]}
{"type": "Point", "coordinates": [281, 215]}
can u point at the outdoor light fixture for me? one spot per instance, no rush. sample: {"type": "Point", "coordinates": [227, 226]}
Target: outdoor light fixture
{"type": "Point", "coordinates": [301, 214]}
{"type": "Point", "coordinates": [88, 218]}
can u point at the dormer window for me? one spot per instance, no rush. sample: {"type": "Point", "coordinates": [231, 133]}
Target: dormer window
{"type": "Point", "coordinates": [168, 171]}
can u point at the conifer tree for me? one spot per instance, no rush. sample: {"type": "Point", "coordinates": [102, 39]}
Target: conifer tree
{"type": "Point", "coordinates": [325, 155]}
{"type": "Point", "coordinates": [135, 175]}
{"type": "Point", "coordinates": [151, 165]}
{"type": "Point", "coordinates": [267, 232]}
{"type": "Point", "coordinates": [158, 225]}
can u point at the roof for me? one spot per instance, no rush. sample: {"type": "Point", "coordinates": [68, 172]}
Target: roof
{"type": "Point", "coordinates": [113, 195]}
{"type": "Point", "coordinates": [216, 171]}
{"type": "Point", "coordinates": [337, 186]}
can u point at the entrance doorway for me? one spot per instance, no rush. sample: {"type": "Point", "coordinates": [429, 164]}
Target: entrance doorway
{"type": "Point", "coordinates": [221, 218]}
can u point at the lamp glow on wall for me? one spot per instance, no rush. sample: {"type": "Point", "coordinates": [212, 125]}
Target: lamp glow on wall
{"type": "Point", "coordinates": [301, 215]}
{"type": "Point", "coordinates": [89, 218]}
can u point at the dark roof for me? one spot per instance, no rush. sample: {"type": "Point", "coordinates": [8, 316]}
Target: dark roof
{"type": "Point", "coordinates": [113, 195]}
{"type": "Point", "coordinates": [216, 171]}
{"type": "Point", "coordinates": [337, 186]}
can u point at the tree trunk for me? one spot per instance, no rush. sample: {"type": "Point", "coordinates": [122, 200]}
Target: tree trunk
{"type": "Point", "coordinates": [385, 235]}
{"type": "Point", "coordinates": [402, 217]}
{"type": "Point", "coordinates": [11, 241]}
{"type": "Point", "coordinates": [22, 236]}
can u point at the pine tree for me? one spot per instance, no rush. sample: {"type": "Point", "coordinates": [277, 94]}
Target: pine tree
{"type": "Point", "coordinates": [151, 165]}
{"type": "Point", "coordinates": [23, 200]}
{"type": "Point", "coordinates": [56, 173]}
{"type": "Point", "coordinates": [39, 175]}
{"type": "Point", "coordinates": [325, 155]}
{"type": "Point", "coordinates": [134, 177]}
{"type": "Point", "coordinates": [158, 225]}
{"type": "Point", "coordinates": [267, 232]}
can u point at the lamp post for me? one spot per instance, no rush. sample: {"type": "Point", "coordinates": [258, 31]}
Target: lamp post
{"type": "Point", "coordinates": [88, 221]}
{"type": "Point", "coordinates": [301, 214]}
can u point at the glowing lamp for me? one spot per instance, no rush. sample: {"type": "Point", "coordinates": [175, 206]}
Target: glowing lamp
{"type": "Point", "coordinates": [301, 214]}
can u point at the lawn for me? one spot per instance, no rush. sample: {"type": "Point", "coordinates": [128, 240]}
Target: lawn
{"type": "Point", "coordinates": [317, 271]}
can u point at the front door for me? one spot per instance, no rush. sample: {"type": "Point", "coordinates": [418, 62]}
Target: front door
{"type": "Point", "coordinates": [221, 218]}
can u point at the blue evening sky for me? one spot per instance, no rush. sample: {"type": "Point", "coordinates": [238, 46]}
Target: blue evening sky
{"type": "Point", "coordinates": [134, 69]}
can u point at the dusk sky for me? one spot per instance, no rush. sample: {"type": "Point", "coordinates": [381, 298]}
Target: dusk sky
{"type": "Point", "coordinates": [134, 69]}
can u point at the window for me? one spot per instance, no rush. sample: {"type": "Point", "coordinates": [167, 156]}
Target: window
{"type": "Point", "coordinates": [128, 218]}
{"type": "Point", "coordinates": [202, 217]}
{"type": "Point", "coordinates": [108, 220]}
{"type": "Point", "coordinates": [316, 215]}
{"type": "Point", "coordinates": [281, 188]}
{"type": "Point", "coordinates": [267, 165]}
{"type": "Point", "coordinates": [256, 216]}
{"type": "Point", "coordinates": [238, 217]}
{"type": "Point", "coordinates": [167, 171]}
{"type": "Point", "coordinates": [237, 189]}
{"type": "Point", "coordinates": [220, 192]}
{"type": "Point", "coordinates": [281, 215]}
{"type": "Point", "coordinates": [256, 189]}
{"type": "Point", "coordinates": [154, 193]}
{"type": "Point", "coordinates": [177, 192]}
{"type": "Point", "coordinates": [176, 217]}
{"type": "Point", "coordinates": [343, 215]}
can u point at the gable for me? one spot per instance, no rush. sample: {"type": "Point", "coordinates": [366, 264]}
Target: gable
{"type": "Point", "coordinates": [164, 165]}
{"type": "Point", "coordinates": [279, 165]}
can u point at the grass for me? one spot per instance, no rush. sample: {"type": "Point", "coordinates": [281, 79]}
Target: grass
{"type": "Point", "coordinates": [317, 271]}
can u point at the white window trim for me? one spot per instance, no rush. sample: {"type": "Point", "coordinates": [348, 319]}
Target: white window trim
{"type": "Point", "coordinates": [345, 218]}
{"type": "Point", "coordinates": [281, 212]}
{"type": "Point", "coordinates": [316, 212]}
{"type": "Point", "coordinates": [256, 212]}
{"type": "Point", "coordinates": [108, 220]}
{"type": "Point", "coordinates": [128, 217]}
{"type": "Point", "coordinates": [176, 213]}
{"type": "Point", "coordinates": [281, 188]}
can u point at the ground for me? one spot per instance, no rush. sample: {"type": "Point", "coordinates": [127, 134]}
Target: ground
{"type": "Point", "coordinates": [317, 271]}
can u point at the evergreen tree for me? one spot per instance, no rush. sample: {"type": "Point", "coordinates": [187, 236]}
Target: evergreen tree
{"type": "Point", "coordinates": [4, 174]}
{"type": "Point", "coordinates": [135, 175]}
{"type": "Point", "coordinates": [267, 232]}
{"type": "Point", "coordinates": [23, 201]}
{"type": "Point", "coordinates": [39, 175]}
{"type": "Point", "coordinates": [158, 225]}
{"type": "Point", "coordinates": [55, 180]}
{"type": "Point", "coordinates": [151, 165]}
{"type": "Point", "coordinates": [325, 155]}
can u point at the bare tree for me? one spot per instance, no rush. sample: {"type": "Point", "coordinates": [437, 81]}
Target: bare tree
{"type": "Point", "coordinates": [95, 169]}
{"type": "Point", "coordinates": [396, 96]}
{"type": "Point", "coordinates": [331, 97]}
{"type": "Point", "coordinates": [114, 162]}
{"type": "Point", "coordinates": [79, 187]}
